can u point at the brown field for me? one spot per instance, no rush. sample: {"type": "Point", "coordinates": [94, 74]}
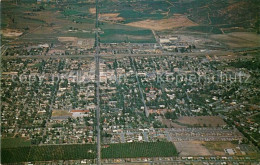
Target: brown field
{"type": "Point", "coordinates": [213, 121]}
{"type": "Point", "coordinates": [110, 17]}
{"type": "Point", "coordinates": [113, 17]}
{"type": "Point", "coordinates": [133, 37]}
{"type": "Point", "coordinates": [233, 7]}
{"type": "Point", "coordinates": [50, 17]}
{"type": "Point", "coordinates": [171, 124]}
{"type": "Point", "coordinates": [192, 148]}
{"type": "Point", "coordinates": [85, 43]}
{"type": "Point", "coordinates": [55, 24]}
{"type": "Point", "coordinates": [92, 10]}
{"type": "Point", "coordinates": [11, 33]}
{"type": "Point", "coordinates": [67, 39]}
{"type": "Point", "coordinates": [163, 24]}
{"type": "Point", "coordinates": [238, 39]}
{"type": "Point", "coordinates": [129, 163]}
{"type": "Point", "coordinates": [56, 113]}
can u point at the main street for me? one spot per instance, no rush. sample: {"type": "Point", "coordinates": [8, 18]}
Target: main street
{"type": "Point", "coordinates": [97, 88]}
{"type": "Point", "coordinates": [217, 53]}
{"type": "Point", "coordinates": [139, 87]}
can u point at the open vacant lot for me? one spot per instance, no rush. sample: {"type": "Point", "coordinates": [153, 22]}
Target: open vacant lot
{"type": "Point", "coordinates": [208, 121]}
{"type": "Point", "coordinates": [191, 148]}
{"type": "Point", "coordinates": [217, 148]}
{"type": "Point", "coordinates": [11, 32]}
{"type": "Point", "coordinates": [238, 39]}
{"type": "Point", "coordinates": [56, 113]}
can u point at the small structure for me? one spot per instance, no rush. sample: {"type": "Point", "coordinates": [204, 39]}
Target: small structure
{"type": "Point", "coordinates": [230, 151]}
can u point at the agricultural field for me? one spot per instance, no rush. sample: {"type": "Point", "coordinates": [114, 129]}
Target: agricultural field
{"type": "Point", "coordinates": [124, 21]}
{"type": "Point", "coordinates": [44, 22]}
{"type": "Point", "coordinates": [47, 153]}
{"type": "Point", "coordinates": [162, 24]}
{"type": "Point", "coordinates": [133, 150]}
{"type": "Point", "coordinates": [14, 142]}
{"type": "Point", "coordinates": [133, 11]}
{"type": "Point", "coordinates": [202, 17]}
{"type": "Point", "coordinates": [207, 16]}
{"type": "Point", "coordinates": [122, 33]}
{"type": "Point", "coordinates": [86, 151]}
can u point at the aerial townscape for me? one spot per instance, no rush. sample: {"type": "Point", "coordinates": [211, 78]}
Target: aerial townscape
{"type": "Point", "coordinates": [143, 82]}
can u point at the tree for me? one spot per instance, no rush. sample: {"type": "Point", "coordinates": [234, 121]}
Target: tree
{"type": "Point", "coordinates": [170, 115]}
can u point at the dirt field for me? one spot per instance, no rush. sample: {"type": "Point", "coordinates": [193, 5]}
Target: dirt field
{"type": "Point", "coordinates": [213, 121]}
{"type": "Point", "coordinates": [163, 24]}
{"type": "Point", "coordinates": [67, 39]}
{"type": "Point", "coordinates": [92, 10]}
{"type": "Point", "coordinates": [54, 23]}
{"type": "Point", "coordinates": [170, 124]}
{"type": "Point", "coordinates": [192, 148]}
{"type": "Point", "coordinates": [11, 33]}
{"type": "Point", "coordinates": [56, 113]}
{"type": "Point", "coordinates": [110, 17]}
{"type": "Point", "coordinates": [238, 39]}
{"type": "Point", "coordinates": [80, 42]}
{"type": "Point", "coordinates": [135, 37]}
{"type": "Point", "coordinates": [113, 17]}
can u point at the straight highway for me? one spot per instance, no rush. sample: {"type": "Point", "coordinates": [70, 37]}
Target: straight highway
{"type": "Point", "coordinates": [139, 87]}
{"type": "Point", "coordinates": [97, 77]}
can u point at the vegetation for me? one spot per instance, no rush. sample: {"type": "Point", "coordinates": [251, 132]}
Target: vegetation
{"type": "Point", "coordinates": [121, 33]}
{"type": "Point", "coordinates": [47, 153]}
{"type": "Point", "coordinates": [143, 9]}
{"type": "Point", "coordinates": [134, 36]}
{"type": "Point", "coordinates": [132, 150]}
{"type": "Point", "coordinates": [14, 142]}
{"type": "Point", "coordinates": [170, 115]}
{"type": "Point", "coordinates": [256, 118]}
{"type": "Point", "coordinates": [253, 64]}
{"type": "Point", "coordinates": [219, 146]}
{"type": "Point", "coordinates": [205, 29]}
{"type": "Point", "coordinates": [86, 151]}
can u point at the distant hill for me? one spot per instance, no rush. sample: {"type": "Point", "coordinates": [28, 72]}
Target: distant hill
{"type": "Point", "coordinates": [224, 13]}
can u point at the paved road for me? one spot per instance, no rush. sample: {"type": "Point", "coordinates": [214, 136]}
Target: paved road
{"type": "Point", "coordinates": [140, 89]}
{"type": "Point", "coordinates": [51, 106]}
{"type": "Point", "coordinates": [97, 58]}
{"type": "Point", "coordinates": [181, 162]}
{"type": "Point", "coordinates": [215, 53]}
{"type": "Point", "coordinates": [119, 55]}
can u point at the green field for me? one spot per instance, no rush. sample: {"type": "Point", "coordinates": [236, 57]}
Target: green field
{"type": "Point", "coordinates": [133, 150]}
{"type": "Point", "coordinates": [14, 142]}
{"type": "Point", "coordinates": [205, 29]}
{"type": "Point", "coordinates": [121, 33]}
{"type": "Point", "coordinates": [136, 10]}
{"type": "Point", "coordinates": [16, 153]}
{"type": "Point", "coordinates": [47, 153]}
